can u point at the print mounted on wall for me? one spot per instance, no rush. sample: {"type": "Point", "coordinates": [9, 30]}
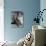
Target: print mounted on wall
{"type": "Point", "coordinates": [17, 18]}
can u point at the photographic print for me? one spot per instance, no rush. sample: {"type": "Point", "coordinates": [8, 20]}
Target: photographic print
{"type": "Point", "coordinates": [17, 18]}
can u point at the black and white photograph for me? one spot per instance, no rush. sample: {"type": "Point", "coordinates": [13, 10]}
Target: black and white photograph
{"type": "Point", "coordinates": [17, 18]}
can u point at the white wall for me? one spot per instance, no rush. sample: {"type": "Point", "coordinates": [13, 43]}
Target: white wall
{"type": "Point", "coordinates": [1, 21]}
{"type": "Point", "coordinates": [43, 6]}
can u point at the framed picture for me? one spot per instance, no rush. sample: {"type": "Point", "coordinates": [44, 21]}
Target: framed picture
{"type": "Point", "coordinates": [17, 18]}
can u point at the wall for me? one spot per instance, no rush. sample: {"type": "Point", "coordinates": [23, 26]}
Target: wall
{"type": "Point", "coordinates": [29, 7]}
{"type": "Point", "coordinates": [1, 21]}
{"type": "Point", "coordinates": [43, 6]}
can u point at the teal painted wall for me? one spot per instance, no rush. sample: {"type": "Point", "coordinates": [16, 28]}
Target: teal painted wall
{"type": "Point", "coordinates": [29, 7]}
